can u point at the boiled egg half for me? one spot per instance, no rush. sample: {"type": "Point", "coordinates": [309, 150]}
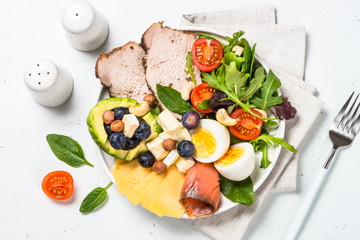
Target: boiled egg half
{"type": "Point", "coordinates": [238, 162]}
{"type": "Point", "coordinates": [211, 140]}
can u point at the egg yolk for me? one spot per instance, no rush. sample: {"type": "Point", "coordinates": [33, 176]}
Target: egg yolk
{"type": "Point", "coordinates": [204, 141]}
{"type": "Point", "coordinates": [231, 156]}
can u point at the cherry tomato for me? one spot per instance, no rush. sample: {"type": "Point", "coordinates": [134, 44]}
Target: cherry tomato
{"type": "Point", "coordinates": [248, 126]}
{"type": "Point", "coordinates": [202, 92]}
{"type": "Point", "coordinates": [207, 54]}
{"type": "Point", "coordinates": [58, 185]}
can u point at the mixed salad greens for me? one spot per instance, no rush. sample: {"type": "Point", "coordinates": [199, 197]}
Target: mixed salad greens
{"type": "Point", "coordinates": [240, 83]}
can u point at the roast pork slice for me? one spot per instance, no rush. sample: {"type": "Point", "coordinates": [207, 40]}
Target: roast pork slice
{"type": "Point", "coordinates": [166, 51]}
{"type": "Point", "coordinates": [122, 70]}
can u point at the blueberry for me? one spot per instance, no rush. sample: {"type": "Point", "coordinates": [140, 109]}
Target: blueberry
{"type": "Point", "coordinates": [190, 120]}
{"type": "Point", "coordinates": [143, 131]}
{"type": "Point", "coordinates": [131, 142]}
{"type": "Point", "coordinates": [117, 140]}
{"type": "Point", "coordinates": [146, 159]}
{"type": "Point", "coordinates": [107, 129]}
{"type": "Point", "coordinates": [120, 112]}
{"type": "Point", "coordinates": [186, 149]}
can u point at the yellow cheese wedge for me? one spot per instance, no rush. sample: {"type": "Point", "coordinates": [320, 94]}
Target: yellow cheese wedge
{"type": "Point", "coordinates": [147, 195]}
{"type": "Point", "coordinates": [166, 200]}
{"type": "Point", "coordinates": [120, 170]}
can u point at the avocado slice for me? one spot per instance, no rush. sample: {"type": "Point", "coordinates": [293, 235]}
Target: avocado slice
{"type": "Point", "coordinates": [96, 128]}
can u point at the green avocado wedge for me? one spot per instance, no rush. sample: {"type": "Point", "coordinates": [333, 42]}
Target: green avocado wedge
{"type": "Point", "coordinates": [96, 128]}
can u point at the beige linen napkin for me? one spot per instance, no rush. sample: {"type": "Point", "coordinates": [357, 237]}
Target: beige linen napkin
{"type": "Point", "coordinates": [283, 50]}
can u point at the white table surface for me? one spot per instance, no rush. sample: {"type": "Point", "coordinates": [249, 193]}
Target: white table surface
{"type": "Point", "coordinates": [32, 29]}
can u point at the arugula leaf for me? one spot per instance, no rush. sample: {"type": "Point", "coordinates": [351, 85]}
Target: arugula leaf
{"type": "Point", "coordinates": [232, 57]}
{"type": "Point", "coordinates": [67, 150]}
{"type": "Point", "coordinates": [94, 199]}
{"type": "Point", "coordinates": [232, 41]}
{"type": "Point", "coordinates": [189, 64]}
{"type": "Point", "coordinates": [172, 99]}
{"type": "Point", "coordinates": [247, 55]}
{"type": "Point", "coordinates": [263, 147]}
{"type": "Point", "coordinates": [235, 79]}
{"type": "Point", "coordinates": [219, 84]}
{"type": "Point", "coordinates": [204, 104]}
{"type": "Point", "coordinates": [268, 96]}
{"type": "Point", "coordinates": [255, 84]}
{"type": "Point", "coordinates": [237, 191]}
{"type": "Point", "coordinates": [262, 143]}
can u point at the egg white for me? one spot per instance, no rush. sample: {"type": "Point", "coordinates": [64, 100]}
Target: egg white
{"type": "Point", "coordinates": [242, 167]}
{"type": "Point", "coordinates": [222, 137]}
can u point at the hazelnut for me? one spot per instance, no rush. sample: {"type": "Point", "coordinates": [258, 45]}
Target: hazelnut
{"type": "Point", "coordinates": [117, 126]}
{"type": "Point", "coordinates": [108, 116]}
{"type": "Point", "coordinates": [150, 99]}
{"type": "Point", "coordinates": [159, 167]}
{"type": "Point", "coordinates": [169, 144]}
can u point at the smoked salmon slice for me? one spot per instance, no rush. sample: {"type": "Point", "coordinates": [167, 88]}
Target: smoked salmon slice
{"type": "Point", "coordinates": [200, 193]}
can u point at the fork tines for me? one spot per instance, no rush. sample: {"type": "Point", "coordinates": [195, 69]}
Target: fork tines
{"type": "Point", "coordinates": [348, 119]}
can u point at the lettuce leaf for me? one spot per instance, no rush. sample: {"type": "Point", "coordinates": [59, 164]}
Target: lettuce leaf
{"type": "Point", "coordinates": [284, 110]}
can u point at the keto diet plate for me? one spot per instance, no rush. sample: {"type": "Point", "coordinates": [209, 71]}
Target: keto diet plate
{"type": "Point", "coordinates": [258, 176]}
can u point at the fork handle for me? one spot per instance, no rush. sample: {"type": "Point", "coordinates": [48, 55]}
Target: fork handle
{"type": "Point", "coordinates": [330, 157]}
{"type": "Point", "coordinates": [303, 212]}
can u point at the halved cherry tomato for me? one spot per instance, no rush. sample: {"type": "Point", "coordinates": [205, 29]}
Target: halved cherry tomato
{"type": "Point", "coordinates": [202, 92]}
{"type": "Point", "coordinates": [58, 185]}
{"type": "Point", "coordinates": [207, 54]}
{"type": "Point", "coordinates": [248, 126]}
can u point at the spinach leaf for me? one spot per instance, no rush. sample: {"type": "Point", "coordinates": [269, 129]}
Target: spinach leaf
{"type": "Point", "coordinates": [94, 199]}
{"type": "Point", "coordinates": [189, 64]}
{"type": "Point", "coordinates": [268, 95]}
{"type": "Point", "coordinates": [67, 150]}
{"type": "Point", "coordinates": [241, 192]}
{"type": "Point", "coordinates": [204, 104]}
{"type": "Point", "coordinates": [172, 99]}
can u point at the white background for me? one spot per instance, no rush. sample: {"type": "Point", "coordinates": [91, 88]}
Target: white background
{"type": "Point", "coordinates": [32, 29]}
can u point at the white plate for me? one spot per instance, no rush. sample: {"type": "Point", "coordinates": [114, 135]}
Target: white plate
{"type": "Point", "coordinates": [258, 176]}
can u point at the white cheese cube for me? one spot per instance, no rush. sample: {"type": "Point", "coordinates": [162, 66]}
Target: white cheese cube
{"type": "Point", "coordinates": [171, 158]}
{"type": "Point", "coordinates": [184, 164]}
{"type": "Point", "coordinates": [180, 135]}
{"type": "Point", "coordinates": [156, 148]}
{"type": "Point", "coordinates": [168, 122]}
{"type": "Point", "coordinates": [131, 123]}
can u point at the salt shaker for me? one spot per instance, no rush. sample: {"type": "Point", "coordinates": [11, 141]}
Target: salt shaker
{"type": "Point", "coordinates": [85, 28]}
{"type": "Point", "coordinates": [48, 84]}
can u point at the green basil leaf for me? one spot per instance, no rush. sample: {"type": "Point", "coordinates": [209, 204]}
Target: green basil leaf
{"type": "Point", "coordinates": [240, 192]}
{"type": "Point", "coordinates": [67, 150]}
{"type": "Point", "coordinates": [204, 104]}
{"type": "Point", "coordinates": [172, 99]}
{"type": "Point", "coordinates": [94, 199]}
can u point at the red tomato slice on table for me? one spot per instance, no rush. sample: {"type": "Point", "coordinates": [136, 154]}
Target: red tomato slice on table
{"type": "Point", "coordinates": [207, 54]}
{"type": "Point", "coordinates": [248, 126]}
{"type": "Point", "coordinates": [202, 92]}
{"type": "Point", "coordinates": [58, 185]}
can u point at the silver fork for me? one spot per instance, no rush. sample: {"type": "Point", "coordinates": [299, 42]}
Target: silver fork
{"type": "Point", "coordinates": [342, 132]}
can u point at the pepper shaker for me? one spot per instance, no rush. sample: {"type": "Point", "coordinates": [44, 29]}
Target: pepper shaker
{"type": "Point", "coordinates": [85, 28]}
{"type": "Point", "coordinates": [48, 84]}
